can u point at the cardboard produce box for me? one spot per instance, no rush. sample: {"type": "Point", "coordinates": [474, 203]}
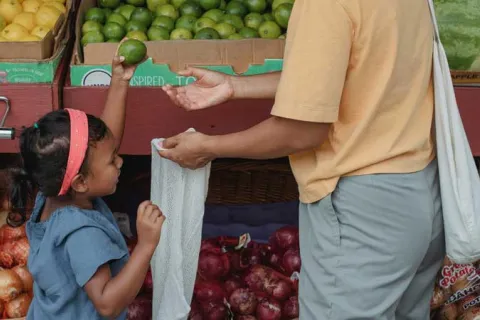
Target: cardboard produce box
{"type": "Point", "coordinates": [91, 65]}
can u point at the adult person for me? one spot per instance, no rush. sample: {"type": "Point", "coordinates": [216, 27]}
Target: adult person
{"type": "Point", "coordinates": [354, 111]}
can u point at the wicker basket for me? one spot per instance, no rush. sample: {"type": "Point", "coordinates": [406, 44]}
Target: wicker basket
{"type": "Point", "coordinates": [251, 182]}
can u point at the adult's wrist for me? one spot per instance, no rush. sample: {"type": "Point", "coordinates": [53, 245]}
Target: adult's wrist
{"type": "Point", "coordinates": [237, 87]}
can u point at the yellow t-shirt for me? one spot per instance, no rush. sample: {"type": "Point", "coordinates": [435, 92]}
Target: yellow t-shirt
{"type": "Point", "coordinates": [365, 66]}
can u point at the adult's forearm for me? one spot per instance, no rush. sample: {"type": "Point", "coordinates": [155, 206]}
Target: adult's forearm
{"type": "Point", "coordinates": [273, 138]}
{"type": "Point", "coordinates": [262, 86]}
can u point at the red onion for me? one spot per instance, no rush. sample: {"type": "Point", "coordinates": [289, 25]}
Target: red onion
{"type": "Point", "coordinates": [291, 261]}
{"type": "Point", "coordinates": [208, 244]}
{"type": "Point", "coordinates": [10, 285]}
{"type": "Point", "coordinates": [6, 259]}
{"type": "Point", "coordinates": [18, 307]}
{"type": "Point", "coordinates": [195, 312]}
{"type": "Point", "coordinates": [269, 309]}
{"type": "Point", "coordinates": [20, 251]}
{"type": "Point", "coordinates": [235, 259]}
{"type": "Point", "coordinates": [213, 264]}
{"type": "Point", "coordinates": [256, 278]}
{"type": "Point", "coordinates": [25, 276]}
{"type": "Point", "coordinates": [249, 317]}
{"type": "Point", "coordinates": [8, 233]}
{"type": "Point", "coordinates": [148, 282]}
{"type": "Point", "coordinates": [233, 284]}
{"type": "Point", "coordinates": [265, 279]}
{"type": "Point", "coordinates": [214, 311]}
{"type": "Point", "coordinates": [279, 289]}
{"type": "Point", "coordinates": [284, 238]}
{"type": "Point", "coordinates": [208, 291]}
{"type": "Point", "coordinates": [140, 309]}
{"type": "Point", "coordinates": [243, 301]}
{"type": "Point", "coordinates": [251, 257]}
{"type": "Point", "coordinates": [275, 261]}
{"type": "Point", "coordinates": [290, 308]}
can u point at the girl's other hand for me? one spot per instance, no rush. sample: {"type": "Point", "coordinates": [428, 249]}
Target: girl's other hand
{"type": "Point", "coordinates": [149, 225]}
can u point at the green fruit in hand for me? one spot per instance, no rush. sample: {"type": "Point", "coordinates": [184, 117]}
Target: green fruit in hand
{"type": "Point", "coordinates": [210, 4]}
{"type": "Point", "coordinates": [111, 4]}
{"type": "Point", "coordinates": [191, 8]}
{"type": "Point", "coordinates": [276, 3]}
{"type": "Point", "coordinates": [203, 23]}
{"type": "Point", "coordinates": [95, 14]}
{"type": "Point", "coordinates": [164, 22]}
{"type": "Point", "coordinates": [249, 33]}
{"type": "Point", "coordinates": [181, 34]}
{"type": "Point", "coordinates": [253, 20]}
{"type": "Point", "coordinates": [153, 4]}
{"type": "Point", "coordinates": [235, 36]}
{"type": "Point", "coordinates": [137, 35]}
{"type": "Point", "coordinates": [135, 26]}
{"type": "Point", "coordinates": [207, 34]}
{"type": "Point", "coordinates": [134, 51]}
{"type": "Point", "coordinates": [142, 15]}
{"type": "Point", "coordinates": [92, 37]}
{"type": "Point", "coordinates": [269, 30]}
{"type": "Point", "coordinates": [117, 18]}
{"type": "Point", "coordinates": [225, 29]}
{"type": "Point", "coordinates": [167, 10]}
{"type": "Point", "coordinates": [90, 26]}
{"type": "Point", "coordinates": [282, 14]}
{"type": "Point", "coordinates": [214, 14]}
{"type": "Point", "coordinates": [256, 5]}
{"type": "Point", "coordinates": [113, 30]}
{"type": "Point", "coordinates": [158, 33]}
{"type": "Point", "coordinates": [237, 8]}
{"type": "Point", "coordinates": [126, 10]}
{"type": "Point", "coordinates": [234, 20]}
{"type": "Point", "coordinates": [186, 22]}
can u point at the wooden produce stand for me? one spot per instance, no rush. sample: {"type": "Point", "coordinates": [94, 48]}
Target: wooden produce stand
{"type": "Point", "coordinates": [150, 114]}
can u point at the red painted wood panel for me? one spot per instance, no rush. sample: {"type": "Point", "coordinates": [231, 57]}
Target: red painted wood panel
{"type": "Point", "coordinates": [150, 114]}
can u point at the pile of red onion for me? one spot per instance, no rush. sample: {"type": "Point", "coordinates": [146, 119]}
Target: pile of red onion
{"type": "Point", "coordinates": [243, 280]}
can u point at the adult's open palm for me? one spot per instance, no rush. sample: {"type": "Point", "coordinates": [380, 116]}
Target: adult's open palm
{"type": "Point", "coordinates": [210, 88]}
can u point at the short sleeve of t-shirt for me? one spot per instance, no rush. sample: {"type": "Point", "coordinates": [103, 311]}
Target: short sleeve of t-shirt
{"type": "Point", "coordinates": [89, 248]}
{"type": "Point", "coordinates": [316, 59]}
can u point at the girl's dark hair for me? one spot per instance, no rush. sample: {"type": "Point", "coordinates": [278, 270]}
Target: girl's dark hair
{"type": "Point", "coordinates": [44, 148]}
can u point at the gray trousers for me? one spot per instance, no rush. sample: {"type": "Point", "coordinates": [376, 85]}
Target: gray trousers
{"type": "Point", "coordinates": [371, 249]}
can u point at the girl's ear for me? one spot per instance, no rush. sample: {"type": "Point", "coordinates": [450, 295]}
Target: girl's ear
{"type": "Point", "coordinates": [79, 184]}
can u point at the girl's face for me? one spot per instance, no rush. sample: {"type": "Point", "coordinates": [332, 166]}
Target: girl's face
{"type": "Point", "coordinates": [104, 166]}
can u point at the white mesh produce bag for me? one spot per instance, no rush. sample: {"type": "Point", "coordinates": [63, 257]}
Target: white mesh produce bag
{"type": "Point", "coordinates": [180, 194]}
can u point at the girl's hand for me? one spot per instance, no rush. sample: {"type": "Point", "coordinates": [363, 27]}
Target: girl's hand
{"type": "Point", "coordinates": [149, 225]}
{"type": "Point", "coordinates": [210, 88]}
{"type": "Point", "coordinates": [121, 71]}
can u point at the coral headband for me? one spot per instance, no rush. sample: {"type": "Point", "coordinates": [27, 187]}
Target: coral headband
{"type": "Point", "coordinates": [78, 147]}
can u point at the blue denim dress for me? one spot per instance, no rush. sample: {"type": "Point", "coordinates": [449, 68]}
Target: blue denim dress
{"type": "Point", "coordinates": [65, 252]}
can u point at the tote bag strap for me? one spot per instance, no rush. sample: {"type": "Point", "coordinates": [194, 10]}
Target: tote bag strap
{"type": "Point", "coordinates": [436, 32]}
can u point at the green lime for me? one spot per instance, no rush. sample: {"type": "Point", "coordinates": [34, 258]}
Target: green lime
{"type": "Point", "coordinates": [137, 35]}
{"type": "Point", "coordinates": [235, 36]}
{"type": "Point", "coordinates": [253, 20]}
{"type": "Point", "coordinates": [269, 30]}
{"type": "Point", "coordinates": [134, 51]}
{"type": "Point", "coordinates": [268, 17]}
{"type": "Point", "coordinates": [225, 30]}
{"type": "Point", "coordinates": [117, 18]}
{"type": "Point", "coordinates": [164, 22]}
{"type": "Point", "coordinates": [95, 14]}
{"type": "Point", "coordinates": [108, 12]}
{"type": "Point", "coordinates": [237, 8]}
{"type": "Point", "coordinates": [111, 4]}
{"type": "Point", "coordinates": [136, 3]}
{"type": "Point", "coordinates": [167, 10]}
{"type": "Point", "coordinates": [249, 33]}
{"type": "Point", "coordinates": [207, 34]}
{"type": "Point", "coordinates": [177, 3]}
{"type": "Point", "coordinates": [126, 10]}
{"type": "Point", "coordinates": [142, 15]}
{"type": "Point", "coordinates": [210, 4]}
{"type": "Point", "coordinates": [92, 37]}
{"type": "Point", "coordinates": [203, 23]}
{"type": "Point", "coordinates": [113, 30]}
{"type": "Point", "coordinates": [256, 5]}
{"type": "Point", "coordinates": [113, 40]}
{"type": "Point", "coordinates": [153, 4]}
{"type": "Point", "coordinates": [135, 26]}
{"type": "Point", "coordinates": [223, 5]}
{"type": "Point", "coordinates": [234, 20]}
{"type": "Point", "coordinates": [158, 33]}
{"type": "Point", "coordinates": [186, 22]}
{"type": "Point", "coordinates": [90, 26]}
{"type": "Point", "coordinates": [191, 8]}
{"type": "Point", "coordinates": [181, 34]}
{"type": "Point", "coordinates": [214, 14]}
{"type": "Point", "coordinates": [276, 3]}
{"type": "Point", "coordinates": [282, 14]}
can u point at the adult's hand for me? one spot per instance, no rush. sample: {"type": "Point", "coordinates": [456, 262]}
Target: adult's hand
{"type": "Point", "coordinates": [189, 149]}
{"type": "Point", "coordinates": [210, 88]}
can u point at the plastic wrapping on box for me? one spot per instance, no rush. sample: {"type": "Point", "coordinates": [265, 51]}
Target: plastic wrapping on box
{"type": "Point", "coordinates": [459, 22]}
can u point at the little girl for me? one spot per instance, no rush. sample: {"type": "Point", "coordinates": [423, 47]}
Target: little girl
{"type": "Point", "coordinates": [78, 257]}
